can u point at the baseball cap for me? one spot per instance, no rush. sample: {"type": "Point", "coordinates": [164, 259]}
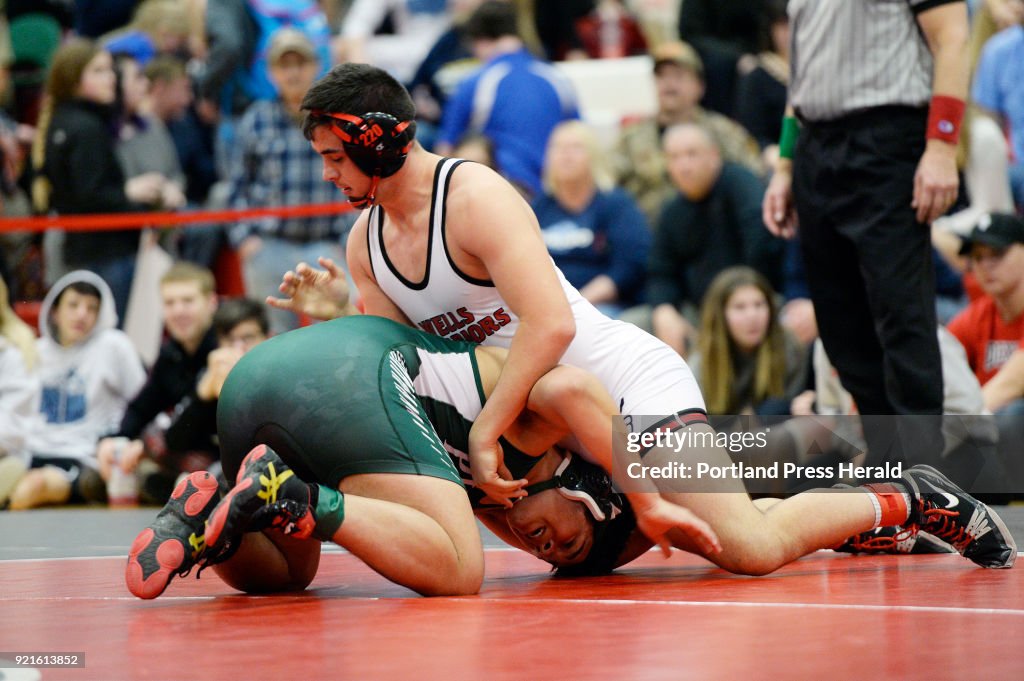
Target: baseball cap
{"type": "Point", "coordinates": [998, 230]}
{"type": "Point", "coordinates": [135, 44]}
{"type": "Point", "coordinates": [288, 40]}
{"type": "Point", "coordinates": [677, 52]}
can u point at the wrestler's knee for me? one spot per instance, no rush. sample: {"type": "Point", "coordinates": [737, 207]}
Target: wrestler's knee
{"type": "Point", "coordinates": [270, 562]}
{"type": "Point", "coordinates": [754, 557]}
{"type": "Point", "coordinates": [466, 582]}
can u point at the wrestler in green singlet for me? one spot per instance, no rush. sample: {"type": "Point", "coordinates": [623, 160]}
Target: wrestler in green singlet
{"type": "Point", "coordinates": [360, 394]}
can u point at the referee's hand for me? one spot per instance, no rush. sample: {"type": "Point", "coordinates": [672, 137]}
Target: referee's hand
{"type": "Point", "coordinates": [936, 182]}
{"type": "Point", "coordinates": [777, 209]}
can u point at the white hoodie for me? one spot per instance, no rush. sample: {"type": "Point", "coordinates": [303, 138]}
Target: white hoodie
{"type": "Point", "coordinates": [86, 386]}
{"type": "Point", "coordinates": [19, 400]}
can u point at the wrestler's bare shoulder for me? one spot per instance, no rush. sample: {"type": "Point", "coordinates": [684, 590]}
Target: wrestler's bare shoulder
{"type": "Point", "coordinates": [477, 192]}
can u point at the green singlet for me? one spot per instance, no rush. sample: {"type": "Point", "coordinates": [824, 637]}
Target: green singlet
{"type": "Point", "coordinates": [361, 394]}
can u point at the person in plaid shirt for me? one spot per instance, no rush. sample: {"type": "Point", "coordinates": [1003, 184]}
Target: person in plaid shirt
{"type": "Point", "coordinates": [272, 164]}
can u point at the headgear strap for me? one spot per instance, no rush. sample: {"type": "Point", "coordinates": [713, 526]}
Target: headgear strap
{"type": "Point", "coordinates": [581, 481]}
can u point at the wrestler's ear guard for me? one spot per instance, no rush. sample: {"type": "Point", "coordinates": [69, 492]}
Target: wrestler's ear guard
{"type": "Point", "coordinates": [578, 480]}
{"type": "Point", "coordinates": [376, 142]}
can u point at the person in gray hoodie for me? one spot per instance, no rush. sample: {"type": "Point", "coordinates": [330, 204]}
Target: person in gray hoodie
{"type": "Point", "coordinates": [89, 370]}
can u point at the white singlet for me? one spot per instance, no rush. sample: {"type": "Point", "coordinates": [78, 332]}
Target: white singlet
{"type": "Point", "coordinates": [643, 375]}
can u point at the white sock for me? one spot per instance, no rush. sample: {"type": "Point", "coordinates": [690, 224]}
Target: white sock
{"type": "Point", "coordinates": [878, 509]}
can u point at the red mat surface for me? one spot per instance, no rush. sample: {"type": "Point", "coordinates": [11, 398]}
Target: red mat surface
{"type": "Point", "coordinates": [828, 616]}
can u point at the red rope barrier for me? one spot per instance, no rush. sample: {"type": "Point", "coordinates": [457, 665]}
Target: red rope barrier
{"type": "Point", "coordinates": [112, 221]}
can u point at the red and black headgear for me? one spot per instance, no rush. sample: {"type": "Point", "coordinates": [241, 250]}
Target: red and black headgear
{"type": "Point", "coordinates": [376, 142]}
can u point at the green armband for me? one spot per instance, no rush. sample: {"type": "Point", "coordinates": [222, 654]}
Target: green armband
{"type": "Point", "coordinates": [787, 140]}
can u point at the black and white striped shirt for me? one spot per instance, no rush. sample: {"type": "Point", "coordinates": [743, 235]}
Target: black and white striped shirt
{"type": "Point", "coordinates": [849, 55]}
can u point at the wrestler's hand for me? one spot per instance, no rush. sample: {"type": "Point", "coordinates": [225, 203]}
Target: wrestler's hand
{"type": "Point", "coordinates": [656, 516]}
{"type": "Point", "coordinates": [777, 208]}
{"type": "Point", "coordinates": [320, 294]}
{"type": "Point", "coordinates": [492, 476]}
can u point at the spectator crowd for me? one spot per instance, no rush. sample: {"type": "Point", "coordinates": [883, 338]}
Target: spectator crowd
{"type": "Point", "coordinates": [167, 105]}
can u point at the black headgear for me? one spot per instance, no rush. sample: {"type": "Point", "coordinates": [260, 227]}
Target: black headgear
{"type": "Point", "coordinates": [586, 483]}
{"type": "Point", "coordinates": [376, 142]}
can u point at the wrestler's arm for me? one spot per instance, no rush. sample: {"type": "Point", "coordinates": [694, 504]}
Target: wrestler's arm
{"type": "Point", "coordinates": [568, 400]}
{"type": "Point", "coordinates": [494, 235]}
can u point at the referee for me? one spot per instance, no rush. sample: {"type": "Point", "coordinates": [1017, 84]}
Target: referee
{"type": "Point", "coordinates": [869, 161]}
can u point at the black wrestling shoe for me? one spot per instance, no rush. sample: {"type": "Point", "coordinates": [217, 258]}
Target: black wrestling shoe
{"type": "Point", "coordinates": [174, 543]}
{"type": "Point", "coordinates": [268, 495]}
{"type": "Point", "coordinates": [940, 508]}
{"type": "Point", "coordinates": [895, 540]}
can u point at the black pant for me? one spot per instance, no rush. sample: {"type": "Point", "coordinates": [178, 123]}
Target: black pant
{"type": "Point", "coordinates": [869, 262]}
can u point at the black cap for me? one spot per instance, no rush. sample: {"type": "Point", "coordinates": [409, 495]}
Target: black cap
{"type": "Point", "coordinates": [998, 230]}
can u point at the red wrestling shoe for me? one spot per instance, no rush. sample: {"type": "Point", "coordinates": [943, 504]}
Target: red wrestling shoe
{"type": "Point", "coordinates": [268, 495]}
{"type": "Point", "coordinates": [175, 541]}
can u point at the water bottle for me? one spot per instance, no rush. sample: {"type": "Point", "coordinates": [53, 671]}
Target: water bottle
{"type": "Point", "coordinates": [122, 488]}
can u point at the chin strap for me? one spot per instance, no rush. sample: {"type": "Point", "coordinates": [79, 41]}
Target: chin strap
{"type": "Point", "coordinates": [583, 482]}
{"type": "Point", "coordinates": [367, 199]}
